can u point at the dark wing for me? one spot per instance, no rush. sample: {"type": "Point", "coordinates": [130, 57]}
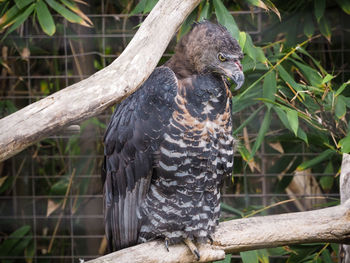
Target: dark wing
{"type": "Point", "coordinates": [131, 142]}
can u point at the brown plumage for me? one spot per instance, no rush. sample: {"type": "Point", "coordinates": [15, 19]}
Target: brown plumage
{"type": "Point", "coordinates": [169, 145]}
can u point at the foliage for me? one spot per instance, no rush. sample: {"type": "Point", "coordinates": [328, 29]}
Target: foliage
{"type": "Point", "coordinates": [297, 103]}
{"type": "Point", "coordinates": [13, 14]}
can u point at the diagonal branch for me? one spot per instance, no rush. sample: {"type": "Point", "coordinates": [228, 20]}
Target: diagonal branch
{"type": "Point", "coordinates": [108, 86]}
{"type": "Point", "coordinates": [324, 225]}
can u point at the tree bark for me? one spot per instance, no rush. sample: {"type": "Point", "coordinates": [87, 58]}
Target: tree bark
{"type": "Point", "coordinates": [324, 225]}
{"type": "Point", "coordinates": [344, 251]}
{"type": "Point", "coordinates": [108, 86]}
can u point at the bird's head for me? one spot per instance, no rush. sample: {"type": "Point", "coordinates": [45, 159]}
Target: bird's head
{"type": "Point", "coordinates": [212, 49]}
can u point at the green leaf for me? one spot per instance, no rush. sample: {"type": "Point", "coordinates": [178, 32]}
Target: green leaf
{"type": "Point", "coordinates": [345, 5]}
{"type": "Point", "coordinates": [45, 18]}
{"type": "Point", "coordinates": [283, 117]}
{"type": "Point", "coordinates": [263, 256]}
{"type": "Point", "coordinates": [20, 19]}
{"type": "Point", "coordinates": [8, 16]}
{"type": "Point", "coordinates": [70, 16]}
{"type": "Point", "coordinates": [252, 51]}
{"type": "Point", "coordinates": [312, 75]}
{"type": "Point", "coordinates": [327, 181]}
{"type": "Point", "coordinates": [293, 120]}
{"type": "Point", "coordinates": [327, 78]}
{"type": "Point", "coordinates": [249, 256]}
{"type": "Point", "coordinates": [270, 87]}
{"type": "Point", "coordinates": [321, 157]}
{"type": "Point", "coordinates": [23, 3]}
{"type": "Point", "coordinates": [261, 135]}
{"type": "Point", "coordinates": [309, 27]}
{"type": "Point", "coordinates": [242, 39]}
{"type": "Point", "coordinates": [320, 6]}
{"type": "Point", "coordinates": [9, 244]}
{"type": "Point", "coordinates": [231, 209]}
{"type": "Point", "coordinates": [60, 187]}
{"type": "Point", "coordinates": [342, 87]}
{"type": "Point", "coordinates": [149, 5]}
{"type": "Point", "coordinates": [225, 18]}
{"type": "Point", "coordinates": [345, 144]}
{"type": "Point", "coordinates": [248, 120]}
{"type": "Point", "coordinates": [288, 79]}
{"type": "Point", "coordinates": [326, 256]}
{"type": "Point", "coordinates": [139, 8]}
{"type": "Point", "coordinates": [340, 106]}
{"type": "Point", "coordinates": [325, 28]}
{"type": "Point", "coordinates": [205, 11]}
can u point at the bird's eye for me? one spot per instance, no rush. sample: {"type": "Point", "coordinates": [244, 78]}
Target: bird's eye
{"type": "Point", "coordinates": [221, 57]}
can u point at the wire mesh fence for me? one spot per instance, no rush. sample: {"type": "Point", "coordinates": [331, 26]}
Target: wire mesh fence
{"type": "Point", "coordinates": [51, 193]}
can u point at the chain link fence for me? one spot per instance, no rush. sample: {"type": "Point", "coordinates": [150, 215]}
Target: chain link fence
{"type": "Point", "coordinates": [51, 193]}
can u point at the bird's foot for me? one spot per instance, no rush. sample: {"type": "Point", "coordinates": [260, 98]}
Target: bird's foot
{"type": "Point", "coordinates": [192, 247]}
{"type": "Point", "coordinates": [167, 243]}
{"type": "Point", "coordinates": [210, 239]}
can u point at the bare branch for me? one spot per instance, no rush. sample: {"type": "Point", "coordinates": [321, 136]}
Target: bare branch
{"type": "Point", "coordinates": [324, 225]}
{"type": "Point", "coordinates": [344, 251]}
{"type": "Point", "coordinates": [91, 96]}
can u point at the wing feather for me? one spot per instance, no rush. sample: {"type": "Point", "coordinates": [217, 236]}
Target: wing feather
{"type": "Point", "coordinates": [131, 140]}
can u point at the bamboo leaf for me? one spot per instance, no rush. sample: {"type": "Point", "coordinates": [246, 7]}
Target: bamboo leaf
{"type": "Point", "coordinates": [309, 27]}
{"type": "Point", "coordinates": [312, 75]}
{"type": "Point", "coordinates": [325, 28]}
{"type": "Point", "coordinates": [70, 16]}
{"type": "Point", "coordinates": [345, 144]}
{"type": "Point", "coordinates": [340, 106]}
{"type": "Point", "coordinates": [288, 78]}
{"type": "Point", "coordinates": [139, 8]}
{"type": "Point", "coordinates": [23, 3]}
{"type": "Point", "coordinates": [319, 6]}
{"type": "Point", "coordinates": [205, 11]}
{"type": "Point", "coordinates": [249, 256]}
{"type": "Point", "coordinates": [20, 19]}
{"type": "Point", "coordinates": [248, 120]}
{"type": "Point", "coordinates": [321, 157]}
{"type": "Point", "coordinates": [342, 87]}
{"type": "Point", "coordinates": [292, 116]}
{"type": "Point", "coordinates": [73, 6]}
{"type": "Point", "coordinates": [261, 135]}
{"type": "Point", "coordinates": [263, 256]}
{"type": "Point", "coordinates": [345, 5]}
{"type": "Point", "coordinates": [327, 180]}
{"type": "Point", "coordinates": [149, 5]}
{"type": "Point", "coordinates": [242, 39]}
{"type": "Point", "coordinates": [8, 16]}
{"type": "Point", "coordinates": [225, 18]}
{"type": "Point", "coordinates": [283, 117]}
{"type": "Point", "coordinates": [270, 87]}
{"type": "Point", "coordinates": [45, 18]}
{"type": "Point", "coordinates": [13, 240]}
{"type": "Point", "coordinates": [327, 78]}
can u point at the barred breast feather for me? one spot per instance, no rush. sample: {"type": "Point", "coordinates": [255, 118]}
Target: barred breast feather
{"type": "Point", "coordinates": [167, 151]}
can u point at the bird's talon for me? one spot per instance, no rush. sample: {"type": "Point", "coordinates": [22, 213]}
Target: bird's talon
{"type": "Point", "coordinates": [193, 248]}
{"type": "Point", "coordinates": [167, 244]}
{"type": "Point", "coordinates": [198, 256]}
{"type": "Point", "coordinates": [211, 240]}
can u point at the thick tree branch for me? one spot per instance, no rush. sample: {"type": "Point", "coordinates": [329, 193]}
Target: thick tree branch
{"type": "Point", "coordinates": [324, 225]}
{"type": "Point", "coordinates": [344, 251]}
{"type": "Point", "coordinates": [91, 96]}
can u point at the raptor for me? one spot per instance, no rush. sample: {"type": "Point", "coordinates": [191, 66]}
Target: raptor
{"type": "Point", "coordinates": [169, 145]}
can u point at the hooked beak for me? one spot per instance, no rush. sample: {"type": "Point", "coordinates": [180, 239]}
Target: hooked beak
{"type": "Point", "coordinates": [238, 78]}
{"type": "Point", "coordinates": [234, 73]}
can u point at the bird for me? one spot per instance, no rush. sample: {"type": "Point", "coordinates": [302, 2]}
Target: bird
{"type": "Point", "coordinates": [169, 145]}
